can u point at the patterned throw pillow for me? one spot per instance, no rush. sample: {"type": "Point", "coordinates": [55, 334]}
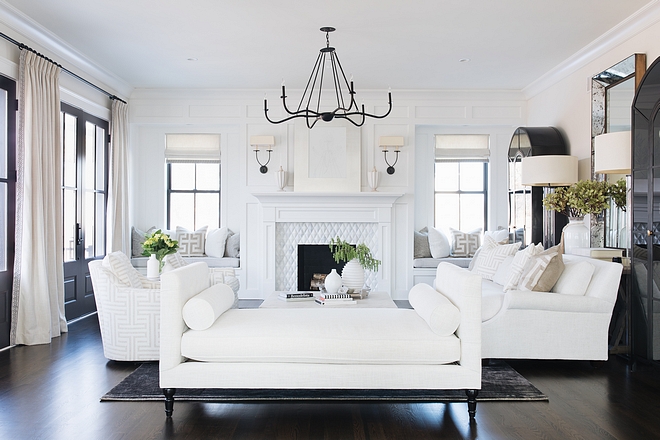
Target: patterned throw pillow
{"type": "Point", "coordinates": [518, 265]}
{"type": "Point", "coordinates": [535, 267]}
{"type": "Point", "coordinates": [464, 244]}
{"type": "Point", "coordinates": [173, 261]}
{"type": "Point", "coordinates": [191, 244]}
{"type": "Point", "coordinates": [491, 256]}
{"type": "Point", "coordinates": [121, 267]}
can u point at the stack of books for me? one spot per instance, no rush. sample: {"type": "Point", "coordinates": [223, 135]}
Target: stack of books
{"type": "Point", "coordinates": [296, 296]}
{"type": "Point", "coordinates": [335, 299]}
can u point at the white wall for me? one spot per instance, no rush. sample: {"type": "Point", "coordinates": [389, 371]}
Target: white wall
{"type": "Point", "coordinates": [566, 104]}
{"type": "Point", "coordinates": [237, 115]}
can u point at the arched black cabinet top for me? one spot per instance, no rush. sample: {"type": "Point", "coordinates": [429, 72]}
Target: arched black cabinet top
{"type": "Point", "coordinates": [537, 141]}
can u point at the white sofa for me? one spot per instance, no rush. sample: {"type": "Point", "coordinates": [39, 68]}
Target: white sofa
{"type": "Point", "coordinates": [322, 348]}
{"type": "Point", "coordinates": [545, 325]}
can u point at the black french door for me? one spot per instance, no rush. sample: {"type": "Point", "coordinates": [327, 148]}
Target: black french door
{"type": "Point", "coordinates": [84, 197]}
{"type": "Point", "coordinates": [7, 202]}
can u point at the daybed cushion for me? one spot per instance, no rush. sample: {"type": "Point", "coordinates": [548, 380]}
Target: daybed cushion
{"type": "Point", "coordinates": [337, 336]}
{"type": "Point", "coordinates": [201, 311]}
{"type": "Point", "coordinates": [433, 262]}
{"type": "Point", "coordinates": [442, 316]}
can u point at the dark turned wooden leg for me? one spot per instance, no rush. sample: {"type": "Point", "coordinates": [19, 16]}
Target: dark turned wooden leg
{"type": "Point", "coordinates": [472, 402]}
{"type": "Point", "coordinates": [169, 401]}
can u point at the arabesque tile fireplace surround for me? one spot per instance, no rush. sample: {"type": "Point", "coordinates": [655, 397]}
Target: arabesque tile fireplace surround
{"type": "Point", "coordinates": [290, 218]}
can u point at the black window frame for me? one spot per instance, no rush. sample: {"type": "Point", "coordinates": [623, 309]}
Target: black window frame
{"type": "Point", "coordinates": [194, 191]}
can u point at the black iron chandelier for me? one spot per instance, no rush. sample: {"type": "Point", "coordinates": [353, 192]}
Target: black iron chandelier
{"type": "Point", "coordinates": [311, 98]}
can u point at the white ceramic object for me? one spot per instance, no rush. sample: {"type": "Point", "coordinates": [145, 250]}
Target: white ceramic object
{"type": "Point", "coordinates": [332, 282]}
{"type": "Point", "coordinates": [281, 178]}
{"type": "Point", "coordinates": [373, 176]}
{"type": "Point", "coordinates": [353, 275]}
{"type": "Point", "coordinates": [153, 267]}
{"type": "Point", "coordinates": [576, 235]}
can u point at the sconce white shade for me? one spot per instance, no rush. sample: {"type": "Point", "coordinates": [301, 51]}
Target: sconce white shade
{"type": "Point", "coordinates": [612, 153]}
{"type": "Point", "coordinates": [390, 141]}
{"type": "Point", "coordinates": [549, 170]}
{"type": "Point", "coordinates": [262, 141]}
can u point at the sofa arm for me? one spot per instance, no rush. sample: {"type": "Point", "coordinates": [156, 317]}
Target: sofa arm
{"type": "Point", "coordinates": [555, 302]}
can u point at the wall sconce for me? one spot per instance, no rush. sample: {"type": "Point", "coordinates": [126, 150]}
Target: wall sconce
{"type": "Point", "coordinates": [262, 141]}
{"type": "Point", "coordinates": [391, 141]}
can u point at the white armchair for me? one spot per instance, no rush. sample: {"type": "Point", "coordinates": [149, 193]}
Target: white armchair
{"type": "Point", "coordinates": [128, 306]}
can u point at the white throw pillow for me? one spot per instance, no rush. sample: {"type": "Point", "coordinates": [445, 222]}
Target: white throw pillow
{"type": "Point", "coordinates": [201, 311]}
{"type": "Point", "coordinates": [438, 243]}
{"type": "Point", "coordinates": [216, 241]}
{"type": "Point", "coordinates": [433, 307]}
{"type": "Point", "coordinates": [491, 255]}
{"type": "Point", "coordinates": [120, 266]}
{"type": "Point", "coordinates": [502, 273]}
{"type": "Point", "coordinates": [191, 244]}
{"type": "Point", "coordinates": [575, 278]}
{"type": "Point", "coordinates": [464, 244]}
{"type": "Point", "coordinates": [518, 265]}
{"type": "Point", "coordinates": [501, 236]}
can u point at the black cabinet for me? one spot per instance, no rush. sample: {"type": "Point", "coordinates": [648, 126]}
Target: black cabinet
{"type": "Point", "coordinates": [645, 297]}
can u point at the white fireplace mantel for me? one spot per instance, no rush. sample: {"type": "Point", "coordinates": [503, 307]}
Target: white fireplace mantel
{"type": "Point", "coordinates": [315, 208]}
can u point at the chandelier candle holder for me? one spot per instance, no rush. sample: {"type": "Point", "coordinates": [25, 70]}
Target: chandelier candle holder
{"type": "Point", "coordinates": [344, 106]}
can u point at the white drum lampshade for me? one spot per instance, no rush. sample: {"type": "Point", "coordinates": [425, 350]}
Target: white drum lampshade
{"type": "Point", "coordinates": [548, 171]}
{"type": "Point", "coordinates": [612, 153]}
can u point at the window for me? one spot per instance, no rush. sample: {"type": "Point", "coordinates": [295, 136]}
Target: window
{"type": "Point", "coordinates": [461, 181]}
{"type": "Point", "coordinates": [193, 180]}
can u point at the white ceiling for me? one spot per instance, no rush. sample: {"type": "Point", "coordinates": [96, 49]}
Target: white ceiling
{"type": "Point", "coordinates": [253, 44]}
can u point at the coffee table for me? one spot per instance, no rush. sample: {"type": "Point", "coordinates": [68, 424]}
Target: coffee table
{"type": "Point", "coordinates": [374, 300]}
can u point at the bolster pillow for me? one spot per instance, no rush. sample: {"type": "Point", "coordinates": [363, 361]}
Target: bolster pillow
{"type": "Point", "coordinates": [439, 313]}
{"type": "Point", "coordinates": [201, 311]}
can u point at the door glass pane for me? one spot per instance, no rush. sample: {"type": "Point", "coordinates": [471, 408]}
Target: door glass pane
{"type": "Point", "coordinates": [90, 156]}
{"type": "Point", "coordinates": [3, 135]}
{"type": "Point", "coordinates": [182, 210]}
{"type": "Point", "coordinates": [89, 227]}
{"type": "Point", "coordinates": [69, 123]}
{"type": "Point", "coordinates": [208, 176]}
{"type": "Point", "coordinates": [446, 176]}
{"type": "Point", "coordinates": [99, 250]}
{"type": "Point", "coordinates": [69, 199]}
{"type": "Point", "coordinates": [472, 176]}
{"type": "Point", "coordinates": [100, 159]}
{"type": "Point", "coordinates": [183, 175]}
{"type": "Point", "coordinates": [3, 226]}
{"type": "Point", "coordinates": [208, 209]}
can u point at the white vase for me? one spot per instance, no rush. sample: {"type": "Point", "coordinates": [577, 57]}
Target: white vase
{"type": "Point", "coordinates": [576, 235]}
{"type": "Point", "coordinates": [332, 282]}
{"type": "Point", "coordinates": [373, 176]}
{"type": "Point", "coordinates": [153, 267]}
{"type": "Point", "coordinates": [353, 275]}
{"type": "Point", "coordinates": [281, 179]}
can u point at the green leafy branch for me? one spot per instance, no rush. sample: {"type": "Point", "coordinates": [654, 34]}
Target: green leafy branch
{"type": "Point", "coordinates": [344, 251]}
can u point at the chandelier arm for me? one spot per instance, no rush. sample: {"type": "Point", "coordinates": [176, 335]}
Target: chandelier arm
{"type": "Point", "coordinates": [374, 116]}
{"type": "Point", "coordinates": [357, 124]}
{"type": "Point", "coordinates": [300, 114]}
{"type": "Point", "coordinates": [337, 84]}
{"type": "Point", "coordinates": [349, 86]}
{"type": "Point", "coordinates": [318, 99]}
{"type": "Point", "coordinates": [311, 75]}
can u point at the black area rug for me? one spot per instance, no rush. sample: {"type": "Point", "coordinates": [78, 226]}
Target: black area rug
{"type": "Point", "coordinates": [499, 382]}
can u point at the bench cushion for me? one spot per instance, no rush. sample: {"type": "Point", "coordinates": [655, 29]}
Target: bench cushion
{"type": "Point", "coordinates": [339, 336]}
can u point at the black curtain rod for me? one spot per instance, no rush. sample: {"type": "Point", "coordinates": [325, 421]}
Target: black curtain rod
{"type": "Point", "coordinates": [64, 69]}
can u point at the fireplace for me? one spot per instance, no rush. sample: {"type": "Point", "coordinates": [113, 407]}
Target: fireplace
{"type": "Point", "coordinates": [315, 259]}
{"type": "Point", "coordinates": [291, 219]}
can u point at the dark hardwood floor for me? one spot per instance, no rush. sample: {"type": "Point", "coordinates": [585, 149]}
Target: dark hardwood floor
{"type": "Point", "coordinates": [52, 392]}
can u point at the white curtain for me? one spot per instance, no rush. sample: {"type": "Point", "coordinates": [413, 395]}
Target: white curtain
{"type": "Point", "coordinates": [118, 226]}
{"type": "Point", "coordinates": [38, 292]}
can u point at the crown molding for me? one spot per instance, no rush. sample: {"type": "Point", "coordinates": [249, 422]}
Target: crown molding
{"type": "Point", "coordinates": [41, 36]}
{"type": "Point", "coordinates": [628, 28]}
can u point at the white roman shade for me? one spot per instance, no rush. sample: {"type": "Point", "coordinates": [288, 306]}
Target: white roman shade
{"type": "Point", "coordinates": [462, 147]}
{"type": "Point", "coordinates": [192, 147]}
